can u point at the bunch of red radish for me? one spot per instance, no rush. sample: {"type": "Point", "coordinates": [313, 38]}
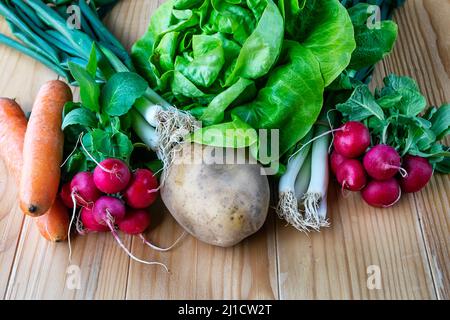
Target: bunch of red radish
{"type": "Point", "coordinates": [113, 197]}
{"type": "Point", "coordinates": [378, 172]}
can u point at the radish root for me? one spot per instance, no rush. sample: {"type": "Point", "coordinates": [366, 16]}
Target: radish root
{"type": "Point", "coordinates": [397, 200]}
{"type": "Point", "coordinates": [79, 226]}
{"type": "Point", "coordinates": [403, 172]}
{"type": "Point", "coordinates": [148, 243]}
{"type": "Point", "coordinates": [110, 223]}
{"type": "Point", "coordinates": [74, 213]}
{"type": "Point", "coordinates": [345, 192]}
{"type": "Point", "coordinates": [154, 190]}
{"type": "Point", "coordinates": [74, 149]}
{"type": "Point", "coordinates": [288, 210]}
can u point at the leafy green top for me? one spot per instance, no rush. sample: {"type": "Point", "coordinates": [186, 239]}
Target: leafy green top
{"type": "Point", "coordinates": [100, 118]}
{"type": "Point", "coordinates": [396, 115]}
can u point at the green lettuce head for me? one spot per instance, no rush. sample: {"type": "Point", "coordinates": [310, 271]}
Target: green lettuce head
{"type": "Point", "coordinates": [266, 62]}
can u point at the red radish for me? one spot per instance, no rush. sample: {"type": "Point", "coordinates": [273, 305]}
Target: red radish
{"type": "Point", "coordinates": [143, 189]}
{"type": "Point", "coordinates": [65, 195]}
{"type": "Point", "coordinates": [112, 175]}
{"type": "Point", "coordinates": [351, 175]}
{"type": "Point", "coordinates": [352, 139]}
{"type": "Point", "coordinates": [108, 210]}
{"type": "Point", "coordinates": [382, 194]}
{"type": "Point", "coordinates": [83, 192]}
{"type": "Point", "coordinates": [336, 160]}
{"type": "Point", "coordinates": [135, 222]}
{"type": "Point", "coordinates": [419, 172]}
{"type": "Point", "coordinates": [89, 223]}
{"type": "Point", "coordinates": [83, 189]}
{"type": "Point", "coordinates": [382, 162]}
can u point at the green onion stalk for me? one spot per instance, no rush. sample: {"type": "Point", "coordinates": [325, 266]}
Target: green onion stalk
{"type": "Point", "coordinates": [42, 31]}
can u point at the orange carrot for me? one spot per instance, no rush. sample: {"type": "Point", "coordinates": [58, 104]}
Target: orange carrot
{"type": "Point", "coordinates": [54, 225]}
{"type": "Point", "coordinates": [13, 125]}
{"type": "Point", "coordinates": [43, 149]}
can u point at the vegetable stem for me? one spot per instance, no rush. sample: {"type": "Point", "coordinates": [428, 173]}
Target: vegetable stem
{"type": "Point", "coordinates": [288, 203]}
{"type": "Point", "coordinates": [25, 50]}
{"type": "Point", "coordinates": [318, 187]}
{"type": "Point", "coordinates": [148, 110]}
{"type": "Point", "coordinates": [303, 179]}
{"type": "Point", "coordinates": [104, 34]}
{"type": "Point", "coordinates": [144, 131]}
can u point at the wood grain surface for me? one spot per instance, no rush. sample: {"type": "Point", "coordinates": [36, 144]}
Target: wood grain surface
{"type": "Point", "coordinates": [410, 243]}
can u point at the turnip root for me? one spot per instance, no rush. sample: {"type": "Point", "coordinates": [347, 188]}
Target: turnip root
{"type": "Point", "coordinates": [220, 204]}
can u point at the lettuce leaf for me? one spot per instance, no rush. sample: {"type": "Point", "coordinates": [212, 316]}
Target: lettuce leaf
{"type": "Point", "coordinates": [266, 62]}
{"type": "Point", "coordinates": [373, 44]}
{"type": "Point", "coordinates": [292, 98]}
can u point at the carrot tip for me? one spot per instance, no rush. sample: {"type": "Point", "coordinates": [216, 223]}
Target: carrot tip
{"type": "Point", "coordinates": [32, 209]}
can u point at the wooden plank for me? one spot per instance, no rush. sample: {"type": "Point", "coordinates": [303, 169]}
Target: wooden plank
{"type": "Point", "coordinates": [333, 264]}
{"type": "Point", "coordinates": [201, 271]}
{"type": "Point", "coordinates": [403, 241]}
{"type": "Point", "coordinates": [42, 270]}
{"type": "Point", "coordinates": [425, 55]}
{"type": "Point", "coordinates": [11, 219]}
{"type": "Point", "coordinates": [19, 75]}
{"type": "Point", "coordinates": [197, 270]}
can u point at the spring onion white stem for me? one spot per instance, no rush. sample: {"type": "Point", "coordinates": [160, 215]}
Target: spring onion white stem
{"type": "Point", "coordinates": [303, 179]}
{"type": "Point", "coordinates": [287, 208]}
{"type": "Point", "coordinates": [145, 131]}
{"type": "Point", "coordinates": [316, 196]}
{"type": "Point", "coordinates": [156, 98]}
{"type": "Point", "coordinates": [148, 110]}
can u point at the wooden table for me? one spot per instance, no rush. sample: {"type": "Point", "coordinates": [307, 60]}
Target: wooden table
{"type": "Point", "coordinates": [409, 244]}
